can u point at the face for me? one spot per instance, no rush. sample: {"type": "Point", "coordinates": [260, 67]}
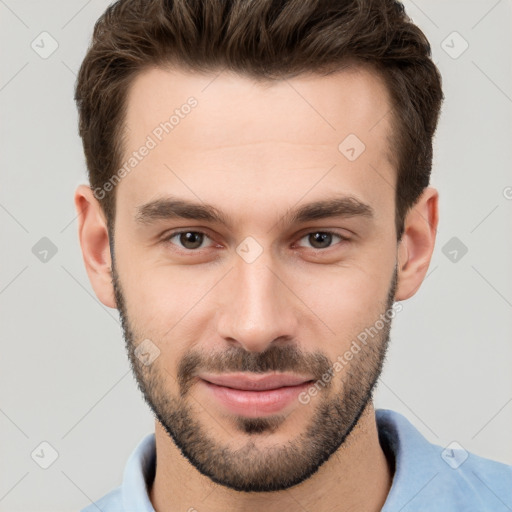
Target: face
{"type": "Point", "coordinates": [252, 251]}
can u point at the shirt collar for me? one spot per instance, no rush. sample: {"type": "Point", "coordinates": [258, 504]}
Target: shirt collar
{"type": "Point", "coordinates": [139, 474]}
{"type": "Point", "coordinates": [416, 460]}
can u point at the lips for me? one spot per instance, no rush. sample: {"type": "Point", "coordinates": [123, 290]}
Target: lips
{"type": "Point", "coordinates": [256, 382]}
{"type": "Point", "coordinates": [254, 395]}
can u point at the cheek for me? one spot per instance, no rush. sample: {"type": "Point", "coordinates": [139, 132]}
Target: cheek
{"type": "Point", "coordinates": [167, 304]}
{"type": "Point", "coordinates": [349, 299]}
{"type": "Point", "coordinates": [345, 299]}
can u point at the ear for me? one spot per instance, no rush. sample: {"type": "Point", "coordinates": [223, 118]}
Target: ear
{"type": "Point", "coordinates": [417, 244]}
{"type": "Point", "coordinates": [93, 235]}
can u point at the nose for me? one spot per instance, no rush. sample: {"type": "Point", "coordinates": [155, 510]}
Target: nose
{"type": "Point", "coordinates": [258, 308]}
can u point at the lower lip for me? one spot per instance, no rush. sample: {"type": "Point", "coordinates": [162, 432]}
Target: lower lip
{"type": "Point", "coordinates": [255, 403]}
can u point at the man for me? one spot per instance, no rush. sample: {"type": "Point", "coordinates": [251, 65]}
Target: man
{"type": "Point", "coordinates": [258, 206]}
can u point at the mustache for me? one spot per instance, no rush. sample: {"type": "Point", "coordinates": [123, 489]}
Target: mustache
{"type": "Point", "coordinates": [277, 358]}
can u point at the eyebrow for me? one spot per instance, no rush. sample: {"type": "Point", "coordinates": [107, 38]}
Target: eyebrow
{"type": "Point", "coordinates": [170, 208]}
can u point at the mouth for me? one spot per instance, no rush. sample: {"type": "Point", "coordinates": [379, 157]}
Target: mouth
{"type": "Point", "coordinates": [254, 395]}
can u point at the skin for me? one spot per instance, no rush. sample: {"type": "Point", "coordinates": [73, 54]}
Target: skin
{"type": "Point", "coordinates": [256, 151]}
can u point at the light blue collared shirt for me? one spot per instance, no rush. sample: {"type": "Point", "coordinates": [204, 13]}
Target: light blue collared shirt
{"type": "Point", "coordinates": [427, 477]}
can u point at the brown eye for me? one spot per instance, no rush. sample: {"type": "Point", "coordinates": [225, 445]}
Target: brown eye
{"type": "Point", "coordinates": [189, 240]}
{"type": "Point", "coordinates": [321, 239]}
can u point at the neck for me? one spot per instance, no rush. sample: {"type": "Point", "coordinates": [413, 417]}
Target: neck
{"type": "Point", "coordinates": [356, 477]}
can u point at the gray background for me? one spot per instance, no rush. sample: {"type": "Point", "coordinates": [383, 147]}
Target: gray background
{"type": "Point", "coordinates": [64, 375]}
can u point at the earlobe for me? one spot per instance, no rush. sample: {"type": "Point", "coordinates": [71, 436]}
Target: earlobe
{"type": "Point", "coordinates": [94, 241]}
{"type": "Point", "coordinates": [417, 245]}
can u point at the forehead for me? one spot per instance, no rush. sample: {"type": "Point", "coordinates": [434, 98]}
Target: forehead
{"type": "Point", "coordinates": [351, 98]}
{"type": "Point", "coordinates": [271, 136]}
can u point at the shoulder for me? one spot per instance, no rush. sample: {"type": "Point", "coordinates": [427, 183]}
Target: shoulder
{"type": "Point", "coordinates": [111, 502]}
{"type": "Point", "coordinates": [440, 478]}
{"type": "Point", "coordinates": [486, 482]}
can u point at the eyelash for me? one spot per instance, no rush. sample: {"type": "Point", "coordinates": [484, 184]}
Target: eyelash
{"type": "Point", "coordinates": [170, 236]}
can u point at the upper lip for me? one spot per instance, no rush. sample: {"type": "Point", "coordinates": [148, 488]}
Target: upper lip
{"type": "Point", "coordinates": [255, 381]}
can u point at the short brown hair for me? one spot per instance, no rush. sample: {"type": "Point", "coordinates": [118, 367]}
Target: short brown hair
{"type": "Point", "coordinates": [265, 40]}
